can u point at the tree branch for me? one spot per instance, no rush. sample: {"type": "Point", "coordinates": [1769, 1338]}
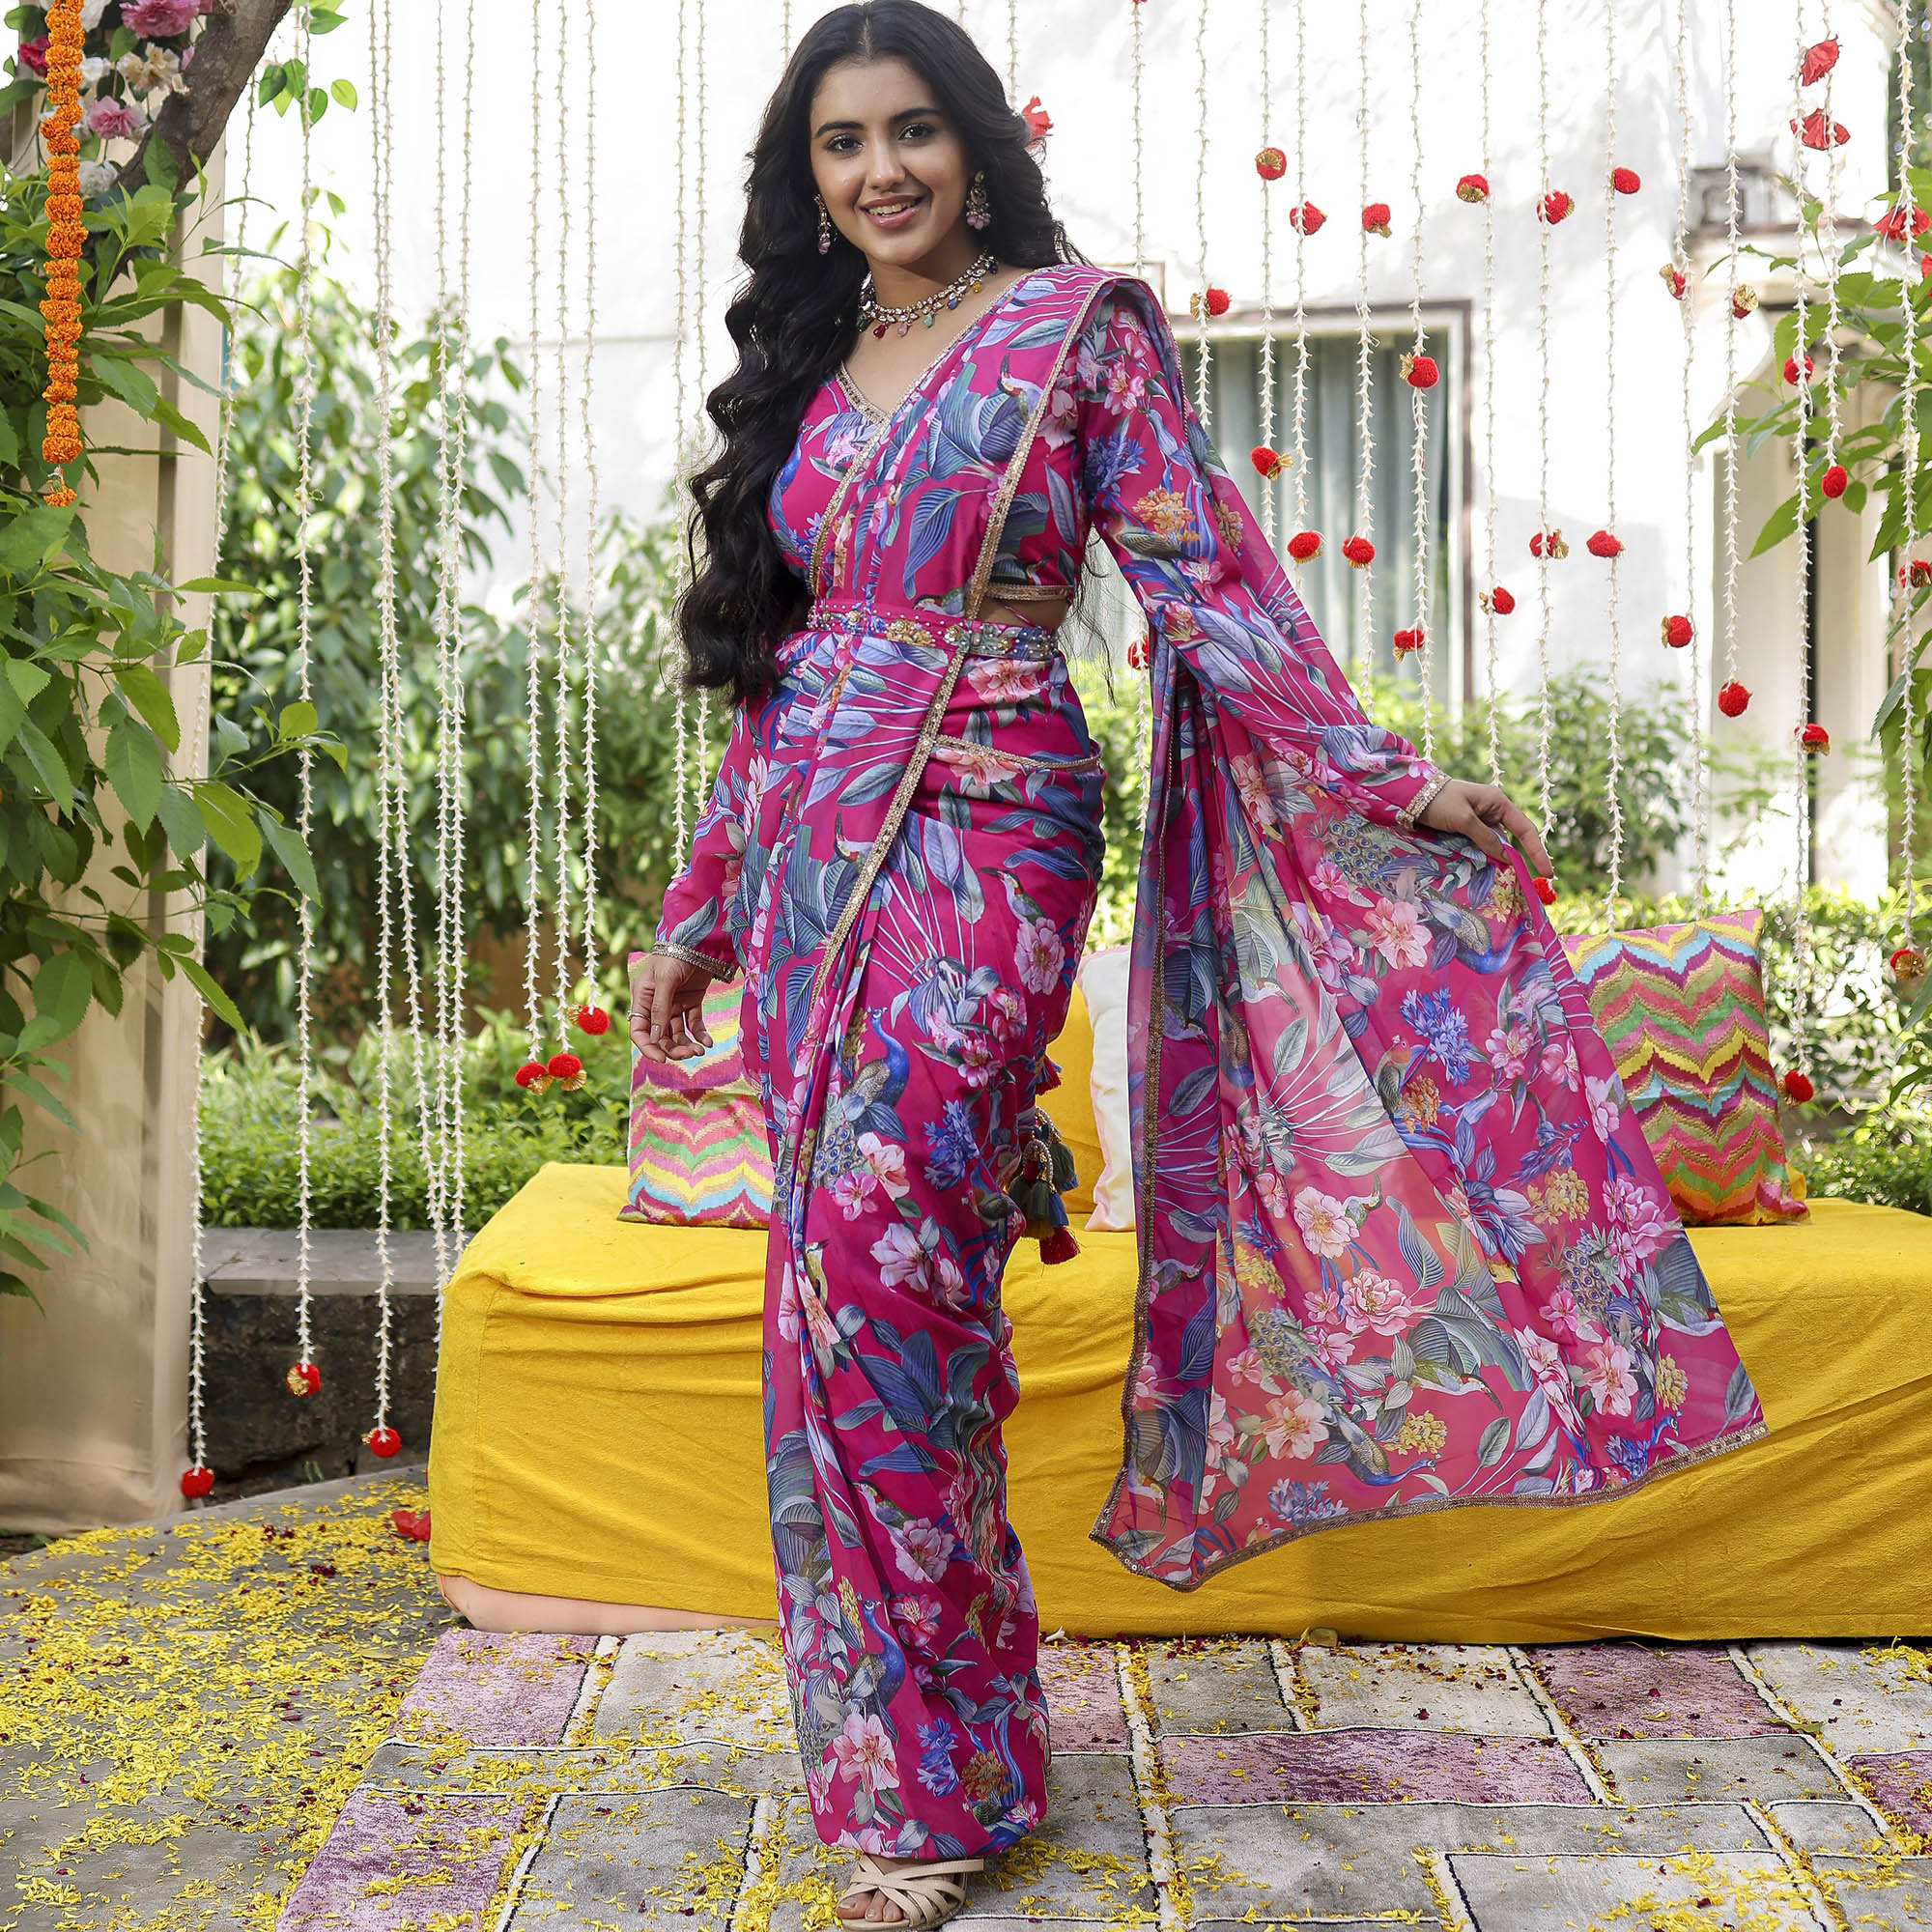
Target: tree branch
{"type": "Point", "coordinates": [226, 54]}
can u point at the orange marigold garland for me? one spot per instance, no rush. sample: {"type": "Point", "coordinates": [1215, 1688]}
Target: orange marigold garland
{"type": "Point", "coordinates": [61, 306]}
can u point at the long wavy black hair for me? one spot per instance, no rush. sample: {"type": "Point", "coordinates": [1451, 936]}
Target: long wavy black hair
{"type": "Point", "coordinates": [796, 314]}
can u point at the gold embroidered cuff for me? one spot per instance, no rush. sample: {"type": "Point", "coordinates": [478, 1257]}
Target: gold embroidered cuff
{"type": "Point", "coordinates": [1410, 814]}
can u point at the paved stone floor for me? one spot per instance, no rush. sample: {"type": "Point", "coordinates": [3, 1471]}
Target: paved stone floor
{"type": "Point", "coordinates": [272, 1752]}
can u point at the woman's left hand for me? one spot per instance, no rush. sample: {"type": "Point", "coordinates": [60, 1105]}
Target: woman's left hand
{"type": "Point", "coordinates": [1473, 810]}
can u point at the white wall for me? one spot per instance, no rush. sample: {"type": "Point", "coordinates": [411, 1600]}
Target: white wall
{"type": "Point", "coordinates": [1076, 55]}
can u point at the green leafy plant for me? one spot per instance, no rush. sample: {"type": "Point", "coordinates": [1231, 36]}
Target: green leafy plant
{"type": "Point", "coordinates": [104, 827]}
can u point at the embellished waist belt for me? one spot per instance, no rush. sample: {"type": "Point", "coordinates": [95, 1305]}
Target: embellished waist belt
{"type": "Point", "coordinates": [905, 624]}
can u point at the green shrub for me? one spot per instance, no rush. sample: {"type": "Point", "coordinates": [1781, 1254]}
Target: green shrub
{"type": "Point", "coordinates": [1887, 1173]}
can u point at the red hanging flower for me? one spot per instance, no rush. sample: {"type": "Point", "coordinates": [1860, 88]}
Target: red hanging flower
{"type": "Point", "coordinates": [566, 1070]}
{"type": "Point", "coordinates": [530, 1074]}
{"type": "Point", "coordinates": [1376, 218]}
{"type": "Point", "coordinates": [1038, 121]}
{"type": "Point", "coordinates": [1819, 60]}
{"type": "Point", "coordinates": [1359, 551]}
{"type": "Point", "coordinates": [1137, 653]}
{"type": "Point", "coordinates": [1548, 541]}
{"type": "Point", "coordinates": [1673, 279]}
{"type": "Point", "coordinates": [1816, 132]}
{"type": "Point", "coordinates": [1799, 1088]}
{"type": "Point", "coordinates": [1677, 632]}
{"type": "Point", "coordinates": [304, 1378]}
{"type": "Point", "coordinates": [1601, 543]}
{"type": "Point", "coordinates": [1833, 482]}
{"type": "Point", "coordinates": [1270, 164]}
{"type": "Point", "coordinates": [197, 1482]}
{"type": "Point", "coordinates": [1409, 642]}
{"type": "Point", "coordinates": [1813, 738]}
{"type": "Point", "coordinates": [1544, 889]}
{"type": "Point", "coordinates": [1269, 463]}
{"type": "Point", "coordinates": [593, 1020]}
{"type": "Point", "coordinates": [1304, 543]}
{"type": "Point", "coordinates": [1895, 223]}
{"type": "Point", "coordinates": [1214, 300]}
{"type": "Point", "coordinates": [1626, 181]}
{"type": "Point", "coordinates": [1791, 371]}
{"type": "Point", "coordinates": [1419, 372]}
{"type": "Point", "coordinates": [383, 1441]}
{"type": "Point", "coordinates": [1744, 298]}
{"type": "Point", "coordinates": [1306, 218]}
{"type": "Point", "coordinates": [1498, 601]}
{"type": "Point", "coordinates": [1554, 206]}
{"type": "Point", "coordinates": [1732, 697]}
{"type": "Point", "coordinates": [1473, 189]}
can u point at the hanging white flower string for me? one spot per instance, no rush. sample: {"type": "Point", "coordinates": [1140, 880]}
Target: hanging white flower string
{"type": "Point", "coordinates": [784, 31]}
{"type": "Point", "coordinates": [533, 590]}
{"type": "Point", "coordinates": [304, 1378]}
{"type": "Point", "coordinates": [1267, 292]}
{"type": "Point", "coordinates": [198, 1480]}
{"type": "Point", "coordinates": [1544, 542]}
{"type": "Point", "coordinates": [1012, 51]}
{"type": "Point", "coordinates": [1365, 455]}
{"type": "Point", "coordinates": [1416, 364]}
{"type": "Point", "coordinates": [1299, 445]}
{"type": "Point", "coordinates": [560, 914]}
{"type": "Point", "coordinates": [1903, 622]}
{"type": "Point", "coordinates": [670, 658]}
{"type": "Point", "coordinates": [1615, 734]}
{"type": "Point", "coordinates": [1204, 406]}
{"type": "Point", "coordinates": [700, 788]}
{"type": "Point", "coordinates": [1680, 263]}
{"type": "Point", "coordinates": [593, 491]}
{"type": "Point", "coordinates": [1731, 321]}
{"type": "Point", "coordinates": [391, 808]}
{"type": "Point", "coordinates": [1491, 686]}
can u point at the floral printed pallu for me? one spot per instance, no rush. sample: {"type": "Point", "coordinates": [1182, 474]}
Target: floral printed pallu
{"type": "Point", "coordinates": [1401, 1244]}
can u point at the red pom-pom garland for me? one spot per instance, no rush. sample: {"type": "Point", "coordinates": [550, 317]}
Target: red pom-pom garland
{"type": "Point", "coordinates": [1359, 551]}
{"type": "Point", "coordinates": [1554, 206]}
{"type": "Point", "coordinates": [1732, 699]}
{"type": "Point", "coordinates": [1907, 967]}
{"type": "Point", "coordinates": [1832, 483]}
{"type": "Point", "coordinates": [1677, 632]}
{"type": "Point", "coordinates": [566, 1070]}
{"type": "Point", "coordinates": [1897, 223]}
{"type": "Point", "coordinates": [1137, 653]}
{"type": "Point", "coordinates": [1673, 279]}
{"type": "Point", "coordinates": [1792, 372]}
{"type": "Point", "coordinates": [383, 1441]}
{"type": "Point", "coordinates": [1420, 372]}
{"type": "Point", "coordinates": [1268, 461]}
{"type": "Point", "coordinates": [531, 1074]}
{"type": "Point", "coordinates": [1813, 738]}
{"type": "Point", "coordinates": [1819, 60]}
{"type": "Point", "coordinates": [1304, 543]}
{"type": "Point", "coordinates": [1601, 543]}
{"type": "Point", "coordinates": [1797, 1087]}
{"type": "Point", "coordinates": [1473, 189]}
{"type": "Point", "coordinates": [1376, 218]}
{"type": "Point", "coordinates": [1918, 573]}
{"type": "Point", "coordinates": [1626, 181]}
{"type": "Point", "coordinates": [1270, 164]}
{"type": "Point", "coordinates": [1547, 543]}
{"type": "Point", "coordinates": [304, 1378]}
{"type": "Point", "coordinates": [1816, 130]}
{"type": "Point", "coordinates": [1544, 889]}
{"type": "Point", "coordinates": [197, 1482]}
{"type": "Point", "coordinates": [1498, 600]}
{"type": "Point", "coordinates": [1408, 643]}
{"type": "Point", "coordinates": [1744, 298]}
{"type": "Point", "coordinates": [593, 1020]}
{"type": "Point", "coordinates": [1306, 218]}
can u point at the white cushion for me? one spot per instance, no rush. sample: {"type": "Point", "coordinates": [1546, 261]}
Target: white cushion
{"type": "Point", "coordinates": [1104, 985]}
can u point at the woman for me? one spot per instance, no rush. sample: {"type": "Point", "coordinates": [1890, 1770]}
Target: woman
{"type": "Point", "coordinates": [1402, 1245]}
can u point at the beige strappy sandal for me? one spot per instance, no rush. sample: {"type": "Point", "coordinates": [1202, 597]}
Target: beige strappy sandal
{"type": "Point", "coordinates": [927, 1894]}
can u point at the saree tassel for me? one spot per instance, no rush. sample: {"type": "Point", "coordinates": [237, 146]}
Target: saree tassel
{"type": "Point", "coordinates": [1059, 1246]}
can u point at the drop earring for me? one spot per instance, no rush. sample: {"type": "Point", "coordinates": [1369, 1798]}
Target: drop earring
{"type": "Point", "coordinates": [824, 225]}
{"type": "Point", "coordinates": [979, 210]}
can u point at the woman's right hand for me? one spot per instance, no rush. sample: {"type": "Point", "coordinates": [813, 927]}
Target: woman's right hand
{"type": "Point", "coordinates": [667, 1008]}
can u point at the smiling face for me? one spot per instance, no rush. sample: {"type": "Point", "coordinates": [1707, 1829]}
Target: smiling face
{"type": "Point", "coordinates": [891, 167]}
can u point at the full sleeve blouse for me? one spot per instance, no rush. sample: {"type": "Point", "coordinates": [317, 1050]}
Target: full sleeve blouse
{"type": "Point", "coordinates": [1208, 579]}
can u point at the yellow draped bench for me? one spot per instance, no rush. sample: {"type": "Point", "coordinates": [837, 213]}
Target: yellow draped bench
{"type": "Point", "coordinates": [598, 1435]}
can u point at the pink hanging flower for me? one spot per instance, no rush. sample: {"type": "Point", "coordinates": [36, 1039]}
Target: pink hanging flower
{"type": "Point", "coordinates": [115, 119]}
{"type": "Point", "coordinates": [152, 18]}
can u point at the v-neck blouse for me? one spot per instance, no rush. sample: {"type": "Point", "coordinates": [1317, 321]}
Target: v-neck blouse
{"type": "Point", "coordinates": [839, 425]}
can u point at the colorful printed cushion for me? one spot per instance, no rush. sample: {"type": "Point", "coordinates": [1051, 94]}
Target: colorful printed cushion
{"type": "Point", "coordinates": [1682, 1009]}
{"type": "Point", "coordinates": [699, 1152]}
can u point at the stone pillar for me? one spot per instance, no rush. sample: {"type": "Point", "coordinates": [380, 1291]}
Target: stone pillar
{"type": "Point", "coordinates": [94, 1391]}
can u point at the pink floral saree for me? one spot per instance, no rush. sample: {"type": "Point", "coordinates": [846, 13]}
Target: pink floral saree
{"type": "Point", "coordinates": [1401, 1244]}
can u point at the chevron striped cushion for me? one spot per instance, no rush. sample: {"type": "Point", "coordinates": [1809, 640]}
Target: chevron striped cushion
{"type": "Point", "coordinates": [1681, 1011]}
{"type": "Point", "coordinates": [699, 1154]}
